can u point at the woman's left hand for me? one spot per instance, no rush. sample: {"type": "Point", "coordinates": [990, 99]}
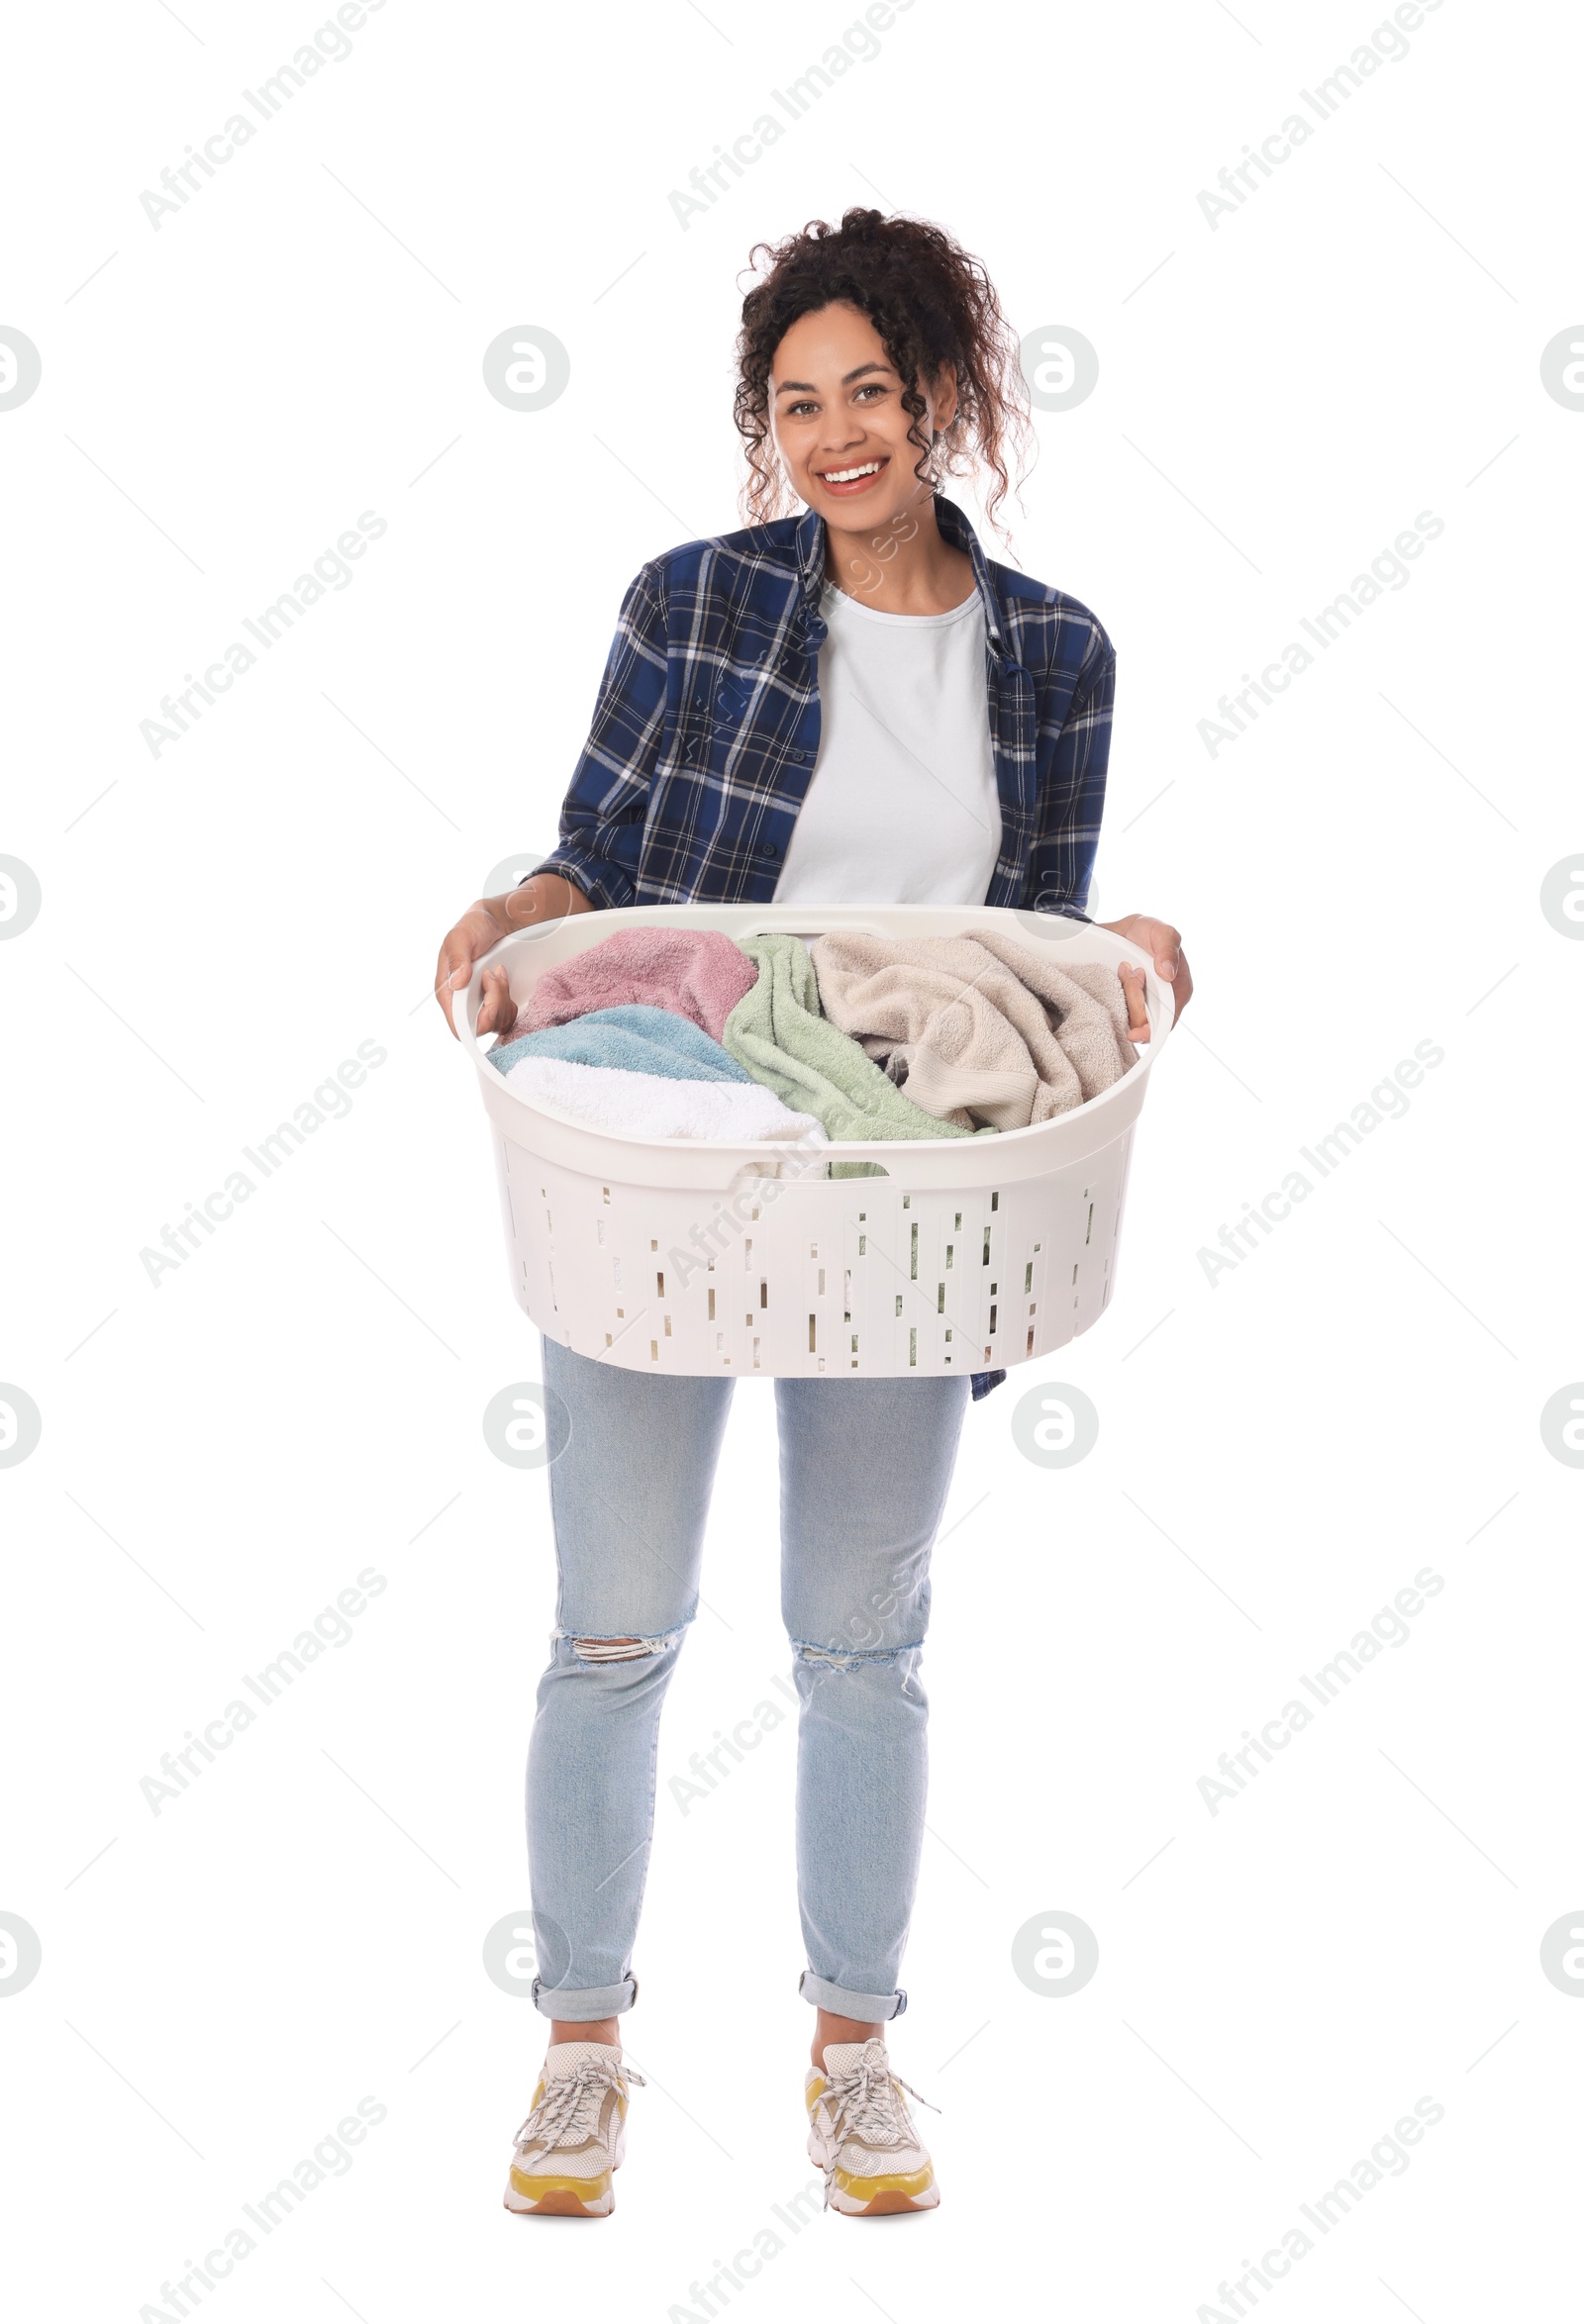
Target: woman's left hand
{"type": "Point", "coordinates": [1161, 941]}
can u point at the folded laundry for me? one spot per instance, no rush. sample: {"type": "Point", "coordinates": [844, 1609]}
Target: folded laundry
{"type": "Point", "coordinates": [778, 1032]}
{"type": "Point", "coordinates": [658, 1105]}
{"type": "Point", "coordinates": [632, 1038]}
{"type": "Point", "coordinates": [977, 1029]}
{"type": "Point", "coordinates": [700, 975]}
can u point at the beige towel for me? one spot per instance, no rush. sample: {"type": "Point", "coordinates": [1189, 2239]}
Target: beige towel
{"type": "Point", "coordinates": [978, 1030]}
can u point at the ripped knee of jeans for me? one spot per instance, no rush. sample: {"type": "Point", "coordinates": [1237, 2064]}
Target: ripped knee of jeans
{"type": "Point", "coordinates": [603, 1650]}
{"type": "Point", "coordinates": [838, 1657]}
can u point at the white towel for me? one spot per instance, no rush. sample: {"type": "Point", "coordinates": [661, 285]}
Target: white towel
{"type": "Point", "coordinates": [653, 1105]}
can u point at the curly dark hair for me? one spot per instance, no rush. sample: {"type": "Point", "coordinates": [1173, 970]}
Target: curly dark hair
{"type": "Point", "coordinates": [930, 303]}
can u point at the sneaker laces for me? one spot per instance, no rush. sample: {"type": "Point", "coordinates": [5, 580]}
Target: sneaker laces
{"type": "Point", "coordinates": [568, 2110]}
{"type": "Point", "coordinates": [865, 2106]}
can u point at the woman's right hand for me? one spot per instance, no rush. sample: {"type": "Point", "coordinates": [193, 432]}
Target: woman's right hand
{"type": "Point", "coordinates": [545, 896]}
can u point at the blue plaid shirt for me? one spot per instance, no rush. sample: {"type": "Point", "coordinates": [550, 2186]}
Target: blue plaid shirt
{"type": "Point", "coordinates": [707, 728]}
{"type": "Point", "coordinates": [707, 725]}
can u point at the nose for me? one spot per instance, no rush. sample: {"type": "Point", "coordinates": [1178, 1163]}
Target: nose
{"type": "Point", "coordinates": [842, 433]}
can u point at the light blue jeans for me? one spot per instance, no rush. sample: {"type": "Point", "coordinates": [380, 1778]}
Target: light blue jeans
{"type": "Point", "coordinates": [865, 1467]}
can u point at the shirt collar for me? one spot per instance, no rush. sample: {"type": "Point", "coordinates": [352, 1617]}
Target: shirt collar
{"type": "Point", "coordinates": [956, 531]}
{"type": "Point", "coordinates": [809, 539]}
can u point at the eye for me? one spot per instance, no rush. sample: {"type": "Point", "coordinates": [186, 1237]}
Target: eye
{"type": "Point", "coordinates": [799, 411]}
{"type": "Point", "coordinates": [874, 387]}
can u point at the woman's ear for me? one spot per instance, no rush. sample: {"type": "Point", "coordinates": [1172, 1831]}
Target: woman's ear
{"type": "Point", "coordinates": [943, 395]}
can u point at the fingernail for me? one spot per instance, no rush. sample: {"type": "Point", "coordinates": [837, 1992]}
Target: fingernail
{"type": "Point", "coordinates": [1167, 967]}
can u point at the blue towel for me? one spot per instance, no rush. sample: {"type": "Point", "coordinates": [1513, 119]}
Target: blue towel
{"type": "Point", "coordinates": [634, 1039]}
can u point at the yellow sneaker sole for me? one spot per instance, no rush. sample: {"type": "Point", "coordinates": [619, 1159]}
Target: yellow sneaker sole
{"type": "Point", "coordinates": [878, 2198]}
{"type": "Point", "coordinates": [559, 2199]}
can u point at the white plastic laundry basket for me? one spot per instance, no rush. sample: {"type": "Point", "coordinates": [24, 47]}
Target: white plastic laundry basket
{"type": "Point", "coordinates": [698, 1256]}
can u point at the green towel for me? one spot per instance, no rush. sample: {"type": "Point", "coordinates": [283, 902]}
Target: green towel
{"type": "Point", "coordinates": [777, 1031]}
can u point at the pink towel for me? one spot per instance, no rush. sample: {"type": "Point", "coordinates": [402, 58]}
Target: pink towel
{"type": "Point", "coordinates": [698, 976]}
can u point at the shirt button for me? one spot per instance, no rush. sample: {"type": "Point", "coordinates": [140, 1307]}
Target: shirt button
{"type": "Point", "coordinates": [768, 849]}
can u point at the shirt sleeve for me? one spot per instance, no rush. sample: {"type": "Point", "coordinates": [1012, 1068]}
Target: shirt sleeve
{"type": "Point", "coordinates": [602, 816]}
{"type": "Point", "coordinates": [1072, 794]}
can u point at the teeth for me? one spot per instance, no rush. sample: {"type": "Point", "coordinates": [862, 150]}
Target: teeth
{"type": "Point", "coordinates": [851, 475]}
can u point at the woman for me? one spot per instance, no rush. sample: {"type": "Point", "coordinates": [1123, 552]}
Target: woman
{"type": "Point", "coordinates": [849, 706]}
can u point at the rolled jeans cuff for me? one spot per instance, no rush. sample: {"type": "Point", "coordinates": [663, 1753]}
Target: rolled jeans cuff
{"type": "Point", "coordinates": [585, 2006]}
{"type": "Point", "coordinates": [869, 2008]}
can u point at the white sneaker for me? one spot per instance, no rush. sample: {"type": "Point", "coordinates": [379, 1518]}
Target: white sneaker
{"type": "Point", "coordinates": [575, 2134]}
{"type": "Point", "coordinates": [861, 2134]}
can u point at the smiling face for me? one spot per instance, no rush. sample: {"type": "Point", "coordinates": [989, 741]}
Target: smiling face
{"type": "Point", "coordinates": [838, 422]}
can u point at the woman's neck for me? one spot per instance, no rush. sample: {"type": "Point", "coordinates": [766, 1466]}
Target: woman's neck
{"type": "Point", "coordinates": [901, 566]}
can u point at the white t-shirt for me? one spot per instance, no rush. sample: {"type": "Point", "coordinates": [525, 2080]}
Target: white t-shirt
{"type": "Point", "coordinates": [902, 807]}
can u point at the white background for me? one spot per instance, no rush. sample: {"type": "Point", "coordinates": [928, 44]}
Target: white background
{"type": "Point", "coordinates": [221, 1453]}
